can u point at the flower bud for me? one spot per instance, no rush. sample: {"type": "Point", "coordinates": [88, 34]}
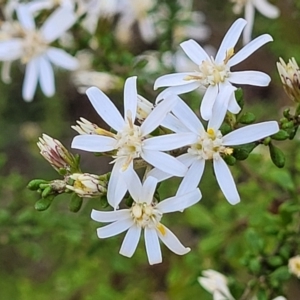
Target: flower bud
{"type": "Point", "coordinates": [144, 108]}
{"type": "Point", "coordinates": [290, 77]}
{"type": "Point", "coordinates": [87, 185]}
{"type": "Point", "coordinates": [85, 127]}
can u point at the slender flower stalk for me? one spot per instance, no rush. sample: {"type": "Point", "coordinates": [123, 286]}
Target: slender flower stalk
{"type": "Point", "coordinates": [145, 214]}
{"type": "Point", "coordinates": [214, 73]}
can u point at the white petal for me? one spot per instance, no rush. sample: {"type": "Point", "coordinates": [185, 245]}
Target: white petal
{"type": "Point", "coordinates": [226, 181]}
{"type": "Point", "coordinates": [250, 77]}
{"type": "Point", "coordinates": [62, 59]}
{"type": "Point", "coordinates": [183, 112]}
{"type": "Point", "coordinates": [170, 141]}
{"type": "Point", "coordinates": [267, 9]}
{"type": "Point", "coordinates": [249, 16]}
{"type": "Point", "coordinates": [194, 51]}
{"type": "Point", "coordinates": [179, 203]}
{"type": "Point", "coordinates": [187, 159]}
{"type": "Point", "coordinates": [249, 49]}
{"type": "Point", "coordinates": [46, 76]}
{"type": "Point", "coordinates": [152, 246]}
{"type": "Point", "coordinates": [25, 17]}
{"type": "Point", "coordinates": [148, 190]}
{"type": "Point", "coordinates": [159, 175]}
{"type": "Point", "coordinates": [233, 106]}
{"type": "Point", "coordinates": [105, 108]}
{"type": "Point", "coordinates": [230, 39]}
{"type": "Point", "coordinates": [133, 183]}
{"type": "Point", "coordinates": [158, 114]}
{"type": "Point", "coordinates": [30, 80]}
{"type": "Point", "coordinates": [147, 29]}
{"type": "Point", "coordinates": [208, 101]}
{"type": "Point", "coordinates": [11, 50]}
{"type": "Point", "coordinates": [164, 162]}
{"type": "Point", "coordinates": [192, 177]}
{"type": "Point", "coordinates": [57, 23]}
{"type": "Point", "coordinates": [110, 216]}
{"type": "Point", "coordinates": [93, 143]}
{"type": "Point", "coordinates": [172, 242]}
{"type": "Point", "coordinates": [172, 123]}
{"type": "Point", "coordinates": [130, 98]}
{"type": "Point", "coordinates": [250, 133]}
{"type": "Point", "coordinates": [130, 241]}
{"type": "Point", "coordinates": [173, 80]}
{"type": "Point", "coordinates": [114, 228]}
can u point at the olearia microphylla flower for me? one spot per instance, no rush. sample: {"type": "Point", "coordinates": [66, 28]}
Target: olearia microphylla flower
{"type": "Point", "coordinates": [145, 214]}
{"type": "Point", "coordinates": [130, 141]}
{"type": "Point", "coordinates": [57, 155]}
{"type": "Point", "coordinates": [294, 265]}
{"type": "Point", "coordinates": [216, 284]}
{"type": "Point", "coordinates": [263, 6]}
{"type": "Point", "coordinates": [87, 185]}
{"type": "Point", "coordinates": [33, 48]}
{"type": "Point", "coordinates": [210, 144]}
{"type": "Point", "coordinates": [214, 74]}
{"type": "Point", "coordinates": [290, 77]}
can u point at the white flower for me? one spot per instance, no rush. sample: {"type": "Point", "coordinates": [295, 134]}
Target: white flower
{"type": "Point", "coordinates": [33, 49]}
{"type": "Point", "coordinates": [294, 265]}
{"type": "Point", "coordinates": [216, 284]}
{"type": "Point", "coordinates": [38, 5]}
{"type": "Point", "coordinates": [145, 214]}
{"type": "Point", "coordinates": [212, 145]}
{"type": "Point", "coordinates": [214, 73]}
{"type": "Point", "coordinates": [263, 6]}
{"type": "Point", "coordinates": [131, 141]}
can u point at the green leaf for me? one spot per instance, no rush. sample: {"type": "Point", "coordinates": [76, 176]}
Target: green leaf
{"type": "Point", "coordinates": [75, 203]}
{"type": "Point", "coordinates": [277, 156]}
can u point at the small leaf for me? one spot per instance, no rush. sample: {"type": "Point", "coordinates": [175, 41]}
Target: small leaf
{"type": "Point", "coordinates": [247, 118]}
{"type": "Point", "coordinates": [44, 203]}
{"type": "Point", "coordinates": [75, 203]}
{"type": "Point", "coordinates": [277, 156]}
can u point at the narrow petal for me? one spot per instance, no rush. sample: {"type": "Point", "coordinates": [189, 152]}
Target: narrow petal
{"type": "Point", "coordinates": [179, 203]}
{"type": "Point", "coordinates": [226, 181]}
{"type": "Point", "coordinates": [233, 106]}
{"type": "Point", "coordinates": [172, 80]}
{"type": "Point", "coordinates": [130, 241]}
{"type": "Point", "coordinates": [93, 143]}
{"type": "Point", "coordinates": [194, 51]}
{"type": "Point", "coordinates": [110, 216]}
{"type": "Point", "coordinates": [62, 59]}
{"type": "Point", "coordinates": [230, 39]}
{"type": "Point", "coordinates": [170, 141]}
{"type": "Point", "coordinates": [174, 124]}
{"type": "Point", "coordinates": [30, 80]}
{"type": "Point", "coordinates": [250, 48]}
{"type": "Point", "coordinates": [46, 76]}
{"type": "Point", "coordinates": [148, 190]}
{"type": "Point", "coordinates": [105, 108]}
{"type": "Point", "coordinates": [250, 77]}
{"type": "Point", "coordinates": [114, 228]}
{"type": "Point", "coordinates": [172, 242]}
{"type": "Point", "coordinates": [57, 23]}
{"type": "Point", "coordinates": [250, 133]}
{"type": "Point", "coordinates": [130, 98]}
{"type": "Point", "coordinates": [133, 183]}
{"type": "Point", "coordinates": [192, 177]}
{"type": "Point", "coordinates": [267, 9]}
{"type": "Point", "coordinates": [25, 17]}
{"type": "Point", "coordinates": [11, 50]}
{"type": "Point", "coordinates": [208, 101]}
{"type": "Point", "coordinates": [249, 16]}
{"type": "Point", "coordinates": [158, 114]}
{"type": "Point", "coordinates": [164, 162]}
{"type": "Point", "coordinates": [152, 246]}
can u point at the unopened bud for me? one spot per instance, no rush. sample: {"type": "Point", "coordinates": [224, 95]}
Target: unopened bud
{"type": "Point", "coordinates": [144, 108]}
{"type": "Point", "coordinates": [85, 127]}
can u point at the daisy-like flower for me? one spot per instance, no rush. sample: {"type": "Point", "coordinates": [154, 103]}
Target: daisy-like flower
{"type": "Point", "coordinates": [33, 48]}
{"type": "Point", "coordinates": [263, 6]}
{"type": "Point", "coordinates": [145, 214]}
{"type": "Point", "coordinates": [294, 265]}
{"type": "Point", "coordinates": [210, 144]}
{"type": "Point", "coordinates": [130, 141]}
{"type": "Point", "coordinates": [214, 73]}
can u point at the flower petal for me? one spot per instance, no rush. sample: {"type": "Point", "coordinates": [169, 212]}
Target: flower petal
{"type": "Point", "coordinates": [130, 98]}
{"type": "Point", "coordinates": [93, 143]}
{"type": "Point", "coordinates": [172, 123]}
{"type": "Point", "coordinates": [164, 162]}
{"type": "Point", "coordinates": [105, 108]}
{"type": "Point", "coordinates": [247, 50]}
{"type": "Point", "coordinates": [173, 80]}
{"type": "Point", "coordinates": [11, 50]}
{"type": "Point", "coordinates": [152, 246]}
{"type": "Point", "coordinates": [208, 101]}
{"type": "Point", "coordinates": [110, 216]}
{"type": "Point", "coordinates": [194, 51]}
{"type": "Point", "coordinates": [249, 16]}
{"type": "Point", "coordinates": [250, 77]}
{"type": "Point", "coordinates": [25, 17]}
{"type": "Point", "coordinates": [133, 183]}
{"type": "Point", "coordinates": [30, 80]}
{"type": "Point", "coordinates": [226, 181]}
{"type": "Point", "coordinates": [46, 76]}
{"type": "Point", "coordinates": [267, 9]}
{"type": "Point", "coordinates": [130, 241]}
{"type": "Point", "coordinates": [250, 133]}
{"type": "Point", "coordinates": [114, 228]}
{"type": "Point", "coordinates": [233, 106]}
{"type": "Point", "coordinates": [57, 23]}
{"type": "Point", "coordinates": [172, 242]}
{"type": "Point", "coordinates": [230, 39]}
{"type": "Point", "coordinates": [62, 59]}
